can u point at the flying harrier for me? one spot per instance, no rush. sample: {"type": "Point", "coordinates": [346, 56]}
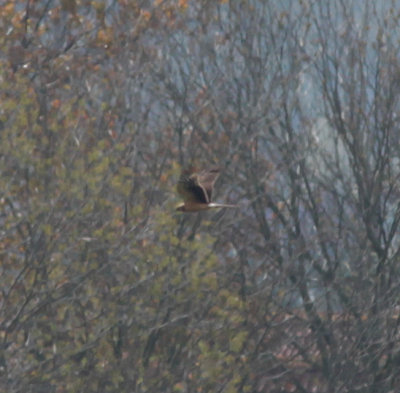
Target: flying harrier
{"type": "Point", "coordinates": [196, 189]}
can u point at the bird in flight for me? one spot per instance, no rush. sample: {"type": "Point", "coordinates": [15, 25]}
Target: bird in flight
{"type": "Point", "coordinates": [196, 188]}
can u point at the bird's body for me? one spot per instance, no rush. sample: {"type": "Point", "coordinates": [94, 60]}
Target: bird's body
{"type": "Point", "coordinates": [196, 190]}
{"type": "Point", "coordinates": [196, 207]}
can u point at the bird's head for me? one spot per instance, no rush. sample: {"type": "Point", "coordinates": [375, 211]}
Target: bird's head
{"type": "Point", "coordinates": [180, 208]}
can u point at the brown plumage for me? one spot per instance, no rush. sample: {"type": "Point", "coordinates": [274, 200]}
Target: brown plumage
{"type": "Point", "coordinates": [196, 190]}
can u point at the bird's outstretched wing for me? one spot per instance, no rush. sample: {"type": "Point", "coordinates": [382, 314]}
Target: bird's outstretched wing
{"type": "Point", "coordinates": [207, 179]}
{"type": "Point", "coordinates": [190, 188]}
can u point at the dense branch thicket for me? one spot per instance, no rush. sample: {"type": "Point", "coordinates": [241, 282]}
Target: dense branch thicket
{"type": "Point", "coordinates": [105, 288]}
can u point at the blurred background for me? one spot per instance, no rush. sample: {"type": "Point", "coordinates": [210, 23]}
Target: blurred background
{"type": "Point", "coordinates": [104, 287]}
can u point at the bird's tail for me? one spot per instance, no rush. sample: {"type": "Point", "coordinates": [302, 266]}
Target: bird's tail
{"type": "Point", "coordinates": [216, 205]}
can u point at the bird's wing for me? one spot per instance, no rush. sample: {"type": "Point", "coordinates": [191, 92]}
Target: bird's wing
{"type": "Point", "coordinates": [190, 188]}
{"type": "Point", "coordinates": [207, 179]}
